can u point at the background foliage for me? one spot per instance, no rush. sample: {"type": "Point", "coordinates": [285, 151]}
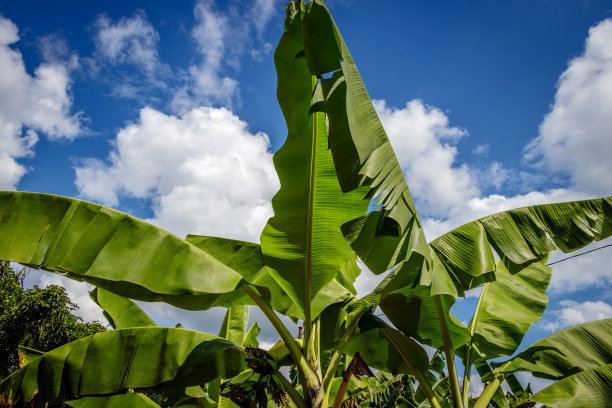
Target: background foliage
{"type": "Point", "coordinates": [39, 318]}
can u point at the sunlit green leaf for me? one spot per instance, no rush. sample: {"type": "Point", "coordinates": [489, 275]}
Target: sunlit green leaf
{"type": "Point", "coordinates": [566, 352]}
{"type": "Point", "coordinates": [590, 388]}
{"type": "Point", "coordinates": [120, 312]}
{"type": "Point", "coordinates": [115, 361]}
{"type": "Point", "coordinates": [302, 244]}
{"type": "Point", "coordinates": [132, 400]}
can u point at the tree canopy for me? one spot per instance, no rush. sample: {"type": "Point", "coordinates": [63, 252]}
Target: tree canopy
{"type": "Point", "coordinates": [38, 318]}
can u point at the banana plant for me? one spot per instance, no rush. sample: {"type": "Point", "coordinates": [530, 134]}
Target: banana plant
{"type": "Point", "coordinates": [335, 161]}
{"type": "Point", "coordinates": [122, 313]}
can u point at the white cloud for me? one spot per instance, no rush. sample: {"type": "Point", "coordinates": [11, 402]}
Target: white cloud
{"type": "Point", "coordinates": [205, 173]}
{"type": "Point", "coordinates": [29, 104]}
{"type": "Point", "coordinates": [222, 38]}
{"type": "Point", "coordinates": [206, 83]}
{"type": "Point", "coordinates": [573, 313]}
{"type": "Point", "coordinates": [425, 145]}
{"type": "Point", "coordinates": [367, 280]}
{"type": "Point", "coordinates": [536, 384]}
{"type": "Point", "coordinates": [575, 136]}
{"type": "Point", "coordinates": [476, 385]}
{"type": "Point", "coordinates": [482, 149]}
{"type": "Point", "coordinates": [262, 12]}
{"type": "Point", "coordinates": [130, 40]}
{"type": "Point", "coordinates": [591, 270]}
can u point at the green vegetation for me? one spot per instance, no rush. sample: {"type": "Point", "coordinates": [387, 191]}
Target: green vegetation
{"type": "Point", "coordinates": [40, 319]}
{"type": "Point", "coordinates": [336, 158]}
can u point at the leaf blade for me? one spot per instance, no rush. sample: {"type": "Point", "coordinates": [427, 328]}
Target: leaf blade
{"type": "Point", "coordinates": [114, 361]}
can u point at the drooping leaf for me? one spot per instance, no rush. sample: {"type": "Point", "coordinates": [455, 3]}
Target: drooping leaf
{"type": "Point", "coordinates": [506, 309]}
{"type": "Point", "coordinates": [582, 347]}
{"type": "Point", "coordinates": [27, 355]}
{"type": "Point", "coordinates": [120, 312]}
{"type": "Point", "coordinates": [362, 153]}
{"type": "Point", "coordinates": [413, 311]}
{"type": "Point", "coordinates": [520, 237]}
{"type": "Point", "coordinates": [114, 361]}
{"type": "Point", "coordinates": [465, 259]}
{"type": "Point", "coordinates": [385, 348]}
{"type": "Point", "coordinates": [250, 338]}
{"type": "Point", "coordinates": [110, 249]}
{"type": "Point", "coordinates": [246, 258]}
{"type": "Point", "coordinates": [302, 244]}
{"type": "Point", "coordinates": [132, 400]}
{"type": "Point", "coordinates": [590, 388]}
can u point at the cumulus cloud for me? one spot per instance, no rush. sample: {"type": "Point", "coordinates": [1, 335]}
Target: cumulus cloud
{"type": "Point", "coordinates": [130, 40]}
{"type": "Point", "coordinates": [575, 136]}
{"type": "Point", "coordinates": [448, 194]}
{"type": "Point", "coordinates": [426, 148]}
{"type": "Point", "coordinates": [29, 104]}
{"type": "Point", "coordinates": [573, 313]}
{"type": "Point", "coordinates": [205, 173]}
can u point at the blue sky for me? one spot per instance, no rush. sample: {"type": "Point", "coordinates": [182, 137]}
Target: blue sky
{"type": "Point", "coordinates": [167, 110]}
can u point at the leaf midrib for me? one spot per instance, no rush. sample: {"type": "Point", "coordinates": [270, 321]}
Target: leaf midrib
{"type": "Point", "coordinates": [313, 157]}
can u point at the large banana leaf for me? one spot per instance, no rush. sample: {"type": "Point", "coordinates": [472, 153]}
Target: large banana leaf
{"type": "Point", "coordinates": [302, 243]}
{"type": "Point", "coordinates": [385, 348]}
{"type": "Point", "coordinates": [120, 312]}
{"type": "Point", "coordinates": [246, 258]}
{"type": "Point", "coordinates": [132, 400]}
{"type": "Point", "coordinates": [362, 153]}
{"type": "Point", "coordinates": [110, 249]}
{"type": "Point", "coordinates": [413, 311]}
{"type": "Point", "coordinates": [575, 349]}
{"type": "Point", "coordinates": [590, 388]}
{"type": "Point", "coordinates": [115, 361]}
{"type": "Point", "coordinates": [506, 309]}
{"type": "Point", "coordinates": [519, 237]}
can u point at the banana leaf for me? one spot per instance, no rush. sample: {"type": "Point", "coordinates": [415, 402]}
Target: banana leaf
{"type": "Point", "coordinates": [385, 348]}
{"type": "Point", "coordinates": [120, 312]}
{"type": "Point", "coordinates": [362, 153]}
{"type": "Point", "coordinates": [250, 338]}
{"type": "Point", "coordinates": [112, 250]}
{"type": "Point", "coordinates": [246, 258]}
{"type": "Point", "coordinates": [506, 309]}
{"type": "Point", "coordinates": [520, 237]}
{"type": "Point", "coordinates": [113, 362]}
{"type": "Point", "coordinates": [413, 310]}
{"type": "Point", "coordinates": [132, 400]}
{"type": "Point", "coordinates": [27, 355]}
{"type": "Point", "coordinates": [590, 388]}
{"type": "Point", "coordinates": [302, 244]}
{"type": "Point", "coordinates": [575, 349]}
